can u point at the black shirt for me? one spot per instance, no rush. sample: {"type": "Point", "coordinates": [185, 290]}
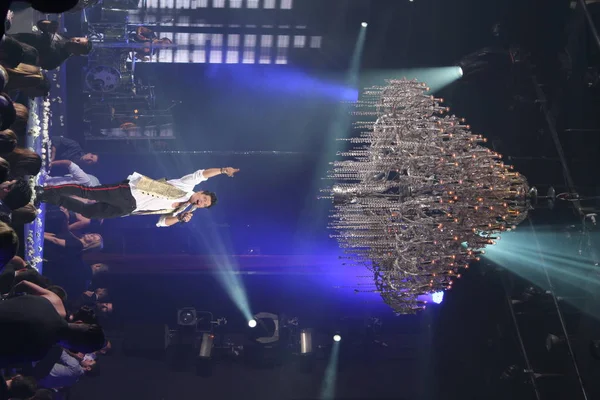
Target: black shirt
{"type": "Point", "coordinates": [56, 221]}
{"type": "Point", "coordinates": [51, 48]}
{"type": "Point", "coordinates": [9, 277]}
{"type": "Point", "coordinates": [13, 52]}
{"type": "Point", "coordinates": [29, 327]}
{"type": "Point", "coordinates": [67, 149]}
{"type": "Point", "coordinates": [70, 252]}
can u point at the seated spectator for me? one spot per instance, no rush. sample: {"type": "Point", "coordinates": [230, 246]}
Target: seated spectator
{"type": "Point", "coordinates": [70, 242]}
{"type": "Point", "coordinates": [61, 221]}
{"type": "Point", "coordinates": [16, 271]}
{"type": "Point", "coordinates": [98, 300]}
{"type": "Point", "coordinates": [74, 175]}
{"type": "Point", "coordinates": [100, 276]}
{"type": "Point", "coordinates": [14, 194]}
{"type": "Point", "coordinates": [27, 79]}
{"type": "Point", "coordinates": [8, 20]}
{"type": "Point", "coordinates": [17, 387]}
{"type": "Point", "coordinates": [23, 162]}
{"type": "Point", "coordinates": [13, 53]}
{"type": "Point", "coordinates": [34, 322]}
{"type": "Point", "coordinates": [104, 309]}
{"type": "Point", "coordinates": [59, 291]}
{"type": "Point", "coordinates": [8, 141]}
{"type": "Point", "coordinates": [67, 149]}
{"type": "Point", "coordinates": [66, 372]}
{"type": "Point", "coordinates": [53, 49]}
{"type": "Point", "coordinates": [23, 215]}
{"type": "Point", "coordinates": [4, 170]}
{"type": "Point", "coordinates": [105, 350]}
{"type": "Point", "coordinates": [19, 127]}
{"type": "Point", "coordinates": [79, 224]}
{"type": "Point", "coordinates": [9, 244]}
{"type": "Point", "coordinates": [8, 113]}
{"type": "Point", "coordinates": [43, 394]}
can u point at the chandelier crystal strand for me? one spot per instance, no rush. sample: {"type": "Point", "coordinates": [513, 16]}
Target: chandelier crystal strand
{"type": "Point", "coordinates": [415, 186]}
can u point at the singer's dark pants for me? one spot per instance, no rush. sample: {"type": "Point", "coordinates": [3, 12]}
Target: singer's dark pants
{"type": "Point", "coordinates": [112, 201]}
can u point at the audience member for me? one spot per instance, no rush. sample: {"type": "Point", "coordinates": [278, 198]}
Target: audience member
{"type": "Point", "coordinates": [24, 215]}
{"type": "Point", "coordinates": [67, 149]}
{"type": "Point", "coordinates": [43, 394]}
{"type": "Point", "coordinates": [78, 224]}
{"type": "Point", "coordinates": [66, 372]}
{"type": "Point", "coordinates": [15, 194]}
{"type": "Point", "coordinates": [8, 141]}
{"type": "Point", "coordinates": [8, 113]}
{"type": "Point", "coordinates": [16, 271]}
{"type": "Point", "coordinates": [53, 49]}
{"type": "Point", "coordinates": [60, 292]}
{"type": "Point", "coordinates": [32, 310]}
{"type": "Point", "coordinates": [13, 53]}
{"type": "Point", "coordinates": [9, 244]}
{"type": "Point", "coordinates": [74, 174]}
{"type": "Point", "coordinates": [17, 387]}
{"type": "Point", "coordinates": [19, 126]}
{"type": "Point", "coordinates": [38, 325]}
{"type": "Point", "coordinates": [4, 170]}
{"type": "Point", "coordinates": [27, 79]}
{"type": "Point", "coordinates": [33, 315]}
{"type": "Point", "coordinates": [70, 242]}
{"type": "Point", "coordinates": [23, 162]}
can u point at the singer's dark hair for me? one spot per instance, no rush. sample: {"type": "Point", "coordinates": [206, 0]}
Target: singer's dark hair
{"type": "Point", "coordinates": [213, 198]}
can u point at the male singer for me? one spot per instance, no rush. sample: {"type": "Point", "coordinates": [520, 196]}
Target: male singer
{"type": "Point", "coordinates": [174, 200]}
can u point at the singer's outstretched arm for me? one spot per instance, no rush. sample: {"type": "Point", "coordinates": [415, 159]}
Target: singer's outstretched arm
{"type": "Point", "coordinates": [167, 221]}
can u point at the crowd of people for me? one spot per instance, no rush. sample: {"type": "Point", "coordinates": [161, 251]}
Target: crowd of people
{"type": "Point", "coordinates": [51, 323]}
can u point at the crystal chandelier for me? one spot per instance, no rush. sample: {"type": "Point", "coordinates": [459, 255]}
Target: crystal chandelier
{"type": "Point", "coordinates": [418, 197]}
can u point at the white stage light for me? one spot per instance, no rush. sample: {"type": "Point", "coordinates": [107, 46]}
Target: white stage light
{"type": "Point", "coordinates": [252, 323]}
{"type": "Point", "coordinates": [364, 24]}
{"type": "Point", "coordinates": [337, 338]}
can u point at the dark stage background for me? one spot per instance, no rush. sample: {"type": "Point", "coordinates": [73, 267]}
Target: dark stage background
{"type": "Point", "coordinates": [271, 208]}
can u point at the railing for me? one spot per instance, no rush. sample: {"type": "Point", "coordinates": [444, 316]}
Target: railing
{"type": "Point", "coordinates": [590, 22]}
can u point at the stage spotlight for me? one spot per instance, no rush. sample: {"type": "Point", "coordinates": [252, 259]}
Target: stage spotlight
{"type": "Point", "coordinates": [364, 24]}
{"type": "Point", "coordinates": [207, 345]}
{"type": "Point", "coordinates": [266, 328]}
{"type": "Point", "coordinates": [337, 338]}
{"type": "Point", "coordinates": [554, 342]}
{"type": "Point", "coordinates": [252, 323]}
{"type": "Point", "coordinates": [595, 349]}
{"type": "Point", "coordinates": [306, 346]}
{"type": "Point", "coordinates": [186, 316]}
{"type": "Point", "coordinates": [437, 297]}
{"type": "Point", "coordinates": [204, 363]}
{"type": "Point", "coordinates": [460, 72]}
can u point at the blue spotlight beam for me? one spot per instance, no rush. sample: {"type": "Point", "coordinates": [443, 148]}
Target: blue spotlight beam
{"type": "Point", "coordinates": [339, 128]}
{"type": "Point", "coordinates": [330, 378]}
{"type": "Point", "coordinates": [436, 78]}
{"type": "Point", "coordinates": [228, 273]}
{"type": "Point", "coordinates": [517, 257]}
{"type": "Point", "coordinates": [560, 315]}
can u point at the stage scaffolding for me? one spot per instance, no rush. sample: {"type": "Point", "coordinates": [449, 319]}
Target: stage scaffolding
{"type": "Point", "coordinates": [585, 212]}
